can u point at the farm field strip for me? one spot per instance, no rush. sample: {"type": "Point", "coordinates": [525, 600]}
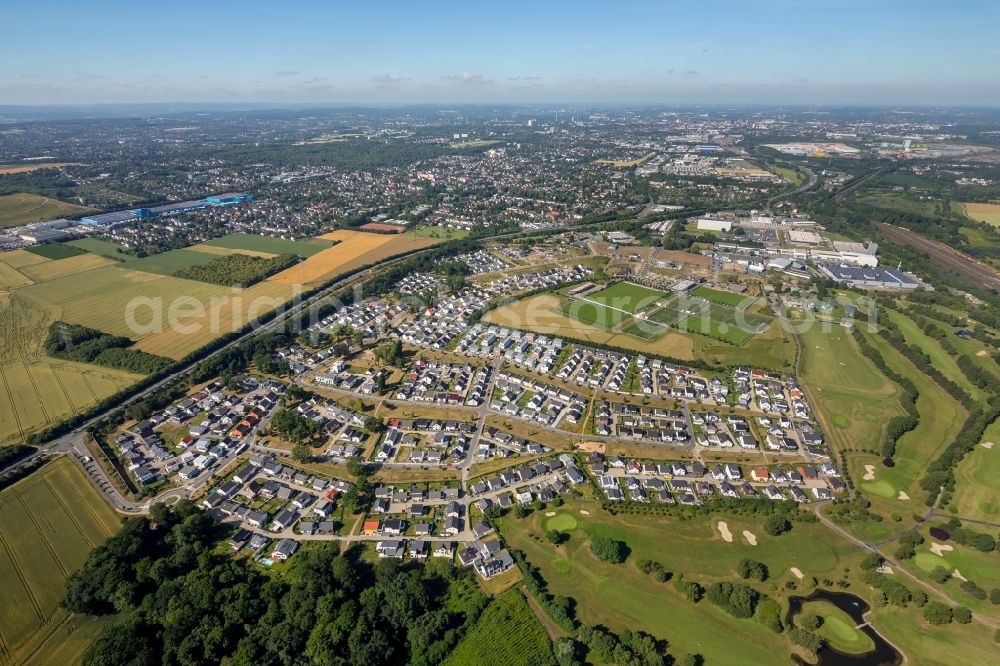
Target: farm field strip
{"type": "Point", "coordinates": [49, 523]}
{"type": "Point", "coordinates": [22, 208]}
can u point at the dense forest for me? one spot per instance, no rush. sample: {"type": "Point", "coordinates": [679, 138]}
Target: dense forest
{"type": "Point", "coordinates": [182, 600]}
{"type": "Point", "coordinates": [237, 270]}
{"type": "Point", "coordinates": [88, 345]}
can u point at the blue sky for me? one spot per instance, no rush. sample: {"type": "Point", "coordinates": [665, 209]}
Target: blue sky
{"type": "Point", "coordinates": [691, 51]}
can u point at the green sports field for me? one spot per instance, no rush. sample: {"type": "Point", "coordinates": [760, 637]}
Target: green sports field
{"type": "Point", "coordinates": [302, 248]}
{"type": "Point", "coordinates": [722, 297]}
{"type": "Point", "coordinates": [628, 297]}
{"type": "Point", "coordinates": [977, 479]}
{"type": "Point", "coordinates": [838, 628]}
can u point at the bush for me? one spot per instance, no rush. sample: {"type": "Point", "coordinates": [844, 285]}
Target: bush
{"type": "Point", "coordinates": [609, 550]}
{"type": "Point", "coordinates": [806, 639]}
{"type": "Point", "coordinates": [752, 569]}
{"type": "Point", "coordinates": [962, 615]}
{"type": "Point", "coordinates": [995, 595]}
{"type": "Point", "coordinates": [871, 562]}
{"type": "Point", "coordinates": [936, 612]}
{"type": "Point", "coordinates": [940, 575]}
{"type": "Point", "coordinates": [691, 590]}
{"type": "Point", "coordinates": [775, 525]}
{"type": "Point", "coordinates": [768, 613]}
{"type": "Point", "coordinates": [737, 599]}
{"type": "Point", "coordinates": [811, 622]}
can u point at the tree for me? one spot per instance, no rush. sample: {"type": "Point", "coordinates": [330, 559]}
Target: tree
{"type": "Point", "coordinates": [962, 615]}
{"type": "Point", "coordinates": [752, 569]}
{"type": "Point", "coordinates": [554, 537]}
{"type": "Point", "coordinates": [775, 524]}
{"type": "Point", "coordinates": [871, 561]}
{"type": "Point", "coordinates": [691, 590]}
{"type": "Point", "coordinates": [940, 575]}
{"type": "Point", "coordinates": [609, 550]}
{"type": "Point", "coordinates": [995, 595]}
{"type": "Point", "coordinates": [300, 452]}
{"type": "Point", "coordinates": [936, 612]}
{"type": "Point", "coordinates": [811, 621]}
{"type": "Point", "coordinates": [806, 639]}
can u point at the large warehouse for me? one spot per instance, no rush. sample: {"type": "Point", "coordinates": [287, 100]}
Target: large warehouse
{"type": "Point", "coordinates": [119, 217]}
{"type": "Point", "coordinates": [872, 277]}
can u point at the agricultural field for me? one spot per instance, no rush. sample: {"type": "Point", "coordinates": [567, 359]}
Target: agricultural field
{"type": "Point", "coordinates": [853, 400]}
{"type": "Point", "coordinates": [506, 634]}
{"type": "Point", "coordinates": [36, 390]}
{"type": "Point", "coordinates": [22, 208]}
{"type": "Point", "coordinates": [983, 212]}
{"type": "Point", "coordinates": [7, 169]}
{"type": "Point", "coordinates": [622, 597]}
{"type": "Point", "coordinates": [54, 251]}
{"type": "Point", "coordinates": [442, 233]}
{"type": "Point", "coordinates": [168, 263]}
{"type": "Point", "coordinates": [353, 250]}
{"type": "Point", "coordinates": [977, 479]}
{"type": "Point", "coordinates": [49, 523]}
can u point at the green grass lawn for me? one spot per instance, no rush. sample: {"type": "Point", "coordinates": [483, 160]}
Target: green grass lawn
{"type": "Point", "coordinates": [838, 628]}
{"type": "Point", "coordinates": [621, 596]}
{"type": "Point", "coordinates": [594, 313]}
{"type": "Point", "coordinates": [302, 248]}
{"type": "Point", "coordinates": [853, 400]}
{"type": "Point", "coordinates": [977, 488]}
{"type": "Point", "coordinates": [774, 349]}
{"type": "Point", "coordinates": [437, 232]}
{"type": "Point", "coordinates": [168, 263]}
{"type": "Point", "coordinates": [54, 250]}
{"type": "Point", "coordinates": [941, 417]}
{"type": "Point", "coordinates": [101, 247]}
{"type": "Point", "coordinates": [940, 359]}
{"type": "Point", "coordinates": [506, 634]}
{"type": "Point", "coordinates": [722, 297]}
{"type": "Point", "coordinates": [628, 297]}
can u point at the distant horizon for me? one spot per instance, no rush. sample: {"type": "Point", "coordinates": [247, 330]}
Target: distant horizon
{"type": "Point", "coordinates": [769, 52]}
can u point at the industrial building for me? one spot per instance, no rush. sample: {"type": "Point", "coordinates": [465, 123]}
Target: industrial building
{"type": "Point", "coordinates": [122, 216]}
{"type": "Point", "coordinates": [709, 224]}
{"type": "Point", "coordinates": [872, 277]}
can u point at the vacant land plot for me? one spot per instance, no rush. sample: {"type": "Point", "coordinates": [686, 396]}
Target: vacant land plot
{"type": "Point", "coordinates": [543, 313]}
{"type": "Point", "coordinates": [984, 212]}
{"type": "Point", "coordinates": [621, 596]}
{"type": "Point", "coordinates": [353, 250]}
{"type": "Point", "coordinates": [977, 488]}
{"type": "Point", "coordinates": [19, 209]}
{"type": "Point", "coordinates": [853, 400]}
{"type": "Point", "coordinates": [49, 523]}
{"type": "Point", "coordinates": [302, 248]}
{"type": "Point", "coordinates": [443, 233]}
{"type": "Point", "coordinates": [506, 634]}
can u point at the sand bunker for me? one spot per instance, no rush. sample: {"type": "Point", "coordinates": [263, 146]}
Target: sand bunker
{"type": "Point", "coordinates": [584, 512]}
{"type": "Point", "coordinates": [981, 353]}
{"type": "Point", "coordinates": [940, 549]}
{"type": "Point", "coordinates": [869, 473]}
{"type": "Point", "coordinates": [987, 445]}
{"type": "Point", "coordinates": [797, 572]}
{"type": "Point", "coordinates": [550, 513]}
{"type": "Point", "coordinates": [750, 537]}
{"type": "Point", "coordinates": [958, 574]}
{"type": "Point", "coordinates": [903, 496]}
{"type": "Point", "coordinates": [727, 536]}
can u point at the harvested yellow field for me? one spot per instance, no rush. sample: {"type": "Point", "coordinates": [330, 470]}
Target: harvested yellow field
{"type": "Point", "coordinates": [220, 315]}
{"type": "Point", "coordinates": [542, 314]}
{"type": "Point", "coordinates": [10, 277]}
{"type": "Point", "coordinates": [354, 249]}
{"type": "Point", "coordinates": [984, 212]}
{"type": "Point", "coordinates": [21, 258]}
{"type": "Point", "coordinates": [53, 270]}
{"type": "Point", "coordinates": [28, 168]}
{"type": "Point", "coordinates": [223, 251]}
